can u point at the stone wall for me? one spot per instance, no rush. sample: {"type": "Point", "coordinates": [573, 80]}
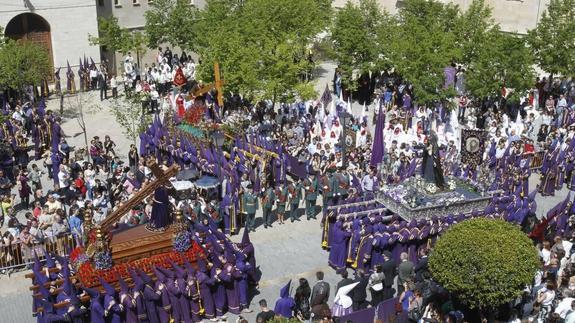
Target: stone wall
{"type": "Point", "coordinates": [512, 15]}
{"type": "Point", "coordinates": [70, 23]}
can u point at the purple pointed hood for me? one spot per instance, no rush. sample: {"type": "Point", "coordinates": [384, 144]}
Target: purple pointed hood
{"type": "Point", "coordinates": [123, 285]}
{"type": "Point", "coordinates": [180, 272]}
{"type": "Point", "coordinates": [202, 265]}
{"type": "Point", "coordinates": [49, 260]}
{"type": "Point", "coordinates": [109, 289]}
{"type": "Point", "coordinates": [189, 267]}
{"type": "Point", "coordinates": [167, 273]}
{"type": "Point", "coordinates": [145, 277]}
{"type": "Point", "coordinates": [39, 277]}
{"type": "Point", "coordinates": [138, 282]}
{"type": "Point", "coordinates": [159, 275]}
{"type": "Point", "coordinates": [284, 292]}
{"type": "Point", "coordinates": [94, 293]}
{"type": "Point", "coordinates": [246, 238]}
{"type": "Point", "coordinates": [37, 265]}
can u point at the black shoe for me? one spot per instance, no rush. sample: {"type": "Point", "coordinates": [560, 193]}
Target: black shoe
{"type": "Point", "coordinates": [297, 219]}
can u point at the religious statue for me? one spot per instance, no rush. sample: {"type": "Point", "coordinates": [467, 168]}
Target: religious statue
{"type": "Point", "coordinates": [160, 218]}
{"type": "Point", "coordinates": [432, 171]}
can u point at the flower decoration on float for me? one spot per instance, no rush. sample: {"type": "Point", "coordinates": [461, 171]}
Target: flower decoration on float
{"type": "Point", "coordinates": [103, 260]}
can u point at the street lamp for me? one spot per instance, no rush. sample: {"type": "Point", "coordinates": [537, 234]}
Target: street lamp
{"type": "Point", "coordinates": [345, 117]}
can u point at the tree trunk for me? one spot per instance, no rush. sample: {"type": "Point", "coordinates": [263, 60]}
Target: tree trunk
{"type": "Point", "coordinates": [83, 126]}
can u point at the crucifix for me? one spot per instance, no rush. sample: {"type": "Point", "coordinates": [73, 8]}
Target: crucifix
{"type": "Point", "coordinates": [218, 85]}
{"type": "Point", "coordinates": [162, 177]}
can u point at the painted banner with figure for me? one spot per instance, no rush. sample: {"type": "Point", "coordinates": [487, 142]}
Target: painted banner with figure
{"type": "Point", "coordinates": [472, 146]}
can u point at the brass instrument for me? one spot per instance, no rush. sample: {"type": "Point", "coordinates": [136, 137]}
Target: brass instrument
{"type": "Point", "coordinates": [324, 242]}
{"type": "Point", "coordinates": [232, 219]}
{"type": "Point", "coordinates": [355, 263]}
{"type": "Point", "coordinates": [202, 309]}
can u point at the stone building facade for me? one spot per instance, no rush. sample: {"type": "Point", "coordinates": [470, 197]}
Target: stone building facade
{"type": "Point", "coordinates": [516, 16]}
{"type": "Point", "coordinates": [61, 26]}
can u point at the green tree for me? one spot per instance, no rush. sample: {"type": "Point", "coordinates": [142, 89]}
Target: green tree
{"type": "Point", "coordinates": [552, 39]}
{"type": "Point", "coordinates": [82, 106]}
{"type": "Point", "coordinates": [129, 115]}
{"type": "Point", "coordinates": [357, 44]}
{"type": "Point", "coordinates": [260, 45]}
{"type": "Point", "coordinates": [422, 44]}
{"type": "Point", "coordinates": [473, 29]}
{"type": "Point", "coordinates": [503, 60]}
{"type": "Point", "coordinates": [484, 262]}
{"type": "Point", "coordinates": [23, 63]}
{"type": "Point", "coordinates": [117, 39]}
{"type": "Point", "coordinates": [173, 22]}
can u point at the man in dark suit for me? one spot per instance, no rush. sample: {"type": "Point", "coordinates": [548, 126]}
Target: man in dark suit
{"type": "Point", "coordinates": [389, 270]}
{"type": "Point", "coordinates": [359, 292]}
{"type": "Point", "coordinates": [319, 296]}
{"type": "Point", "coordinates": [405, 271]}
{"type": "Point", "coordinates": [344, 281]}
{"type": "Point", "coordinates": [320, 291]}
{"type": "Point", "coordinates": [421, 266]}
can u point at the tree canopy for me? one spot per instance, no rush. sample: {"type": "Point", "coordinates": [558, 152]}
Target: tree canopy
{"type": "Point", "coordinates": [117, 39]}
{"type": "Point", "coordinates": [355, 37]}
{"type": "Point", "coordinates": [261, 45]}
{"type": "Point", "coordinates": [23, 63]}
{"type": "Point", "coordinates": [484, 262]}
{"type": "Point", "coordinates": [423, 39]}
{"type": "Point", "coordinates": [171, 21]}
{"type": "Point", "coordinates": [552, 39]}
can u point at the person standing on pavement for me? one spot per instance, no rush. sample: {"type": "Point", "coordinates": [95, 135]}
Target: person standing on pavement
{"type": "Point", "coordinates": [103, 85]}
{"type": "Point", "coordinates": [345, 280]}
{"type": "Point", "coordinates": [389, 272]}
{"type": "Point", "coordinates": [114, 86]}
{"type": "Point", "coordinates": [405, 270]}
{"type": "Point", "coordinates": [266, 315]}
{"type": "Point", "coordinates": [310, 185]}
{"type": "Point", "coordinates": [376, 285]}
{"type": "Point", "coordinates": [250, 202]}
{"type": "Point", "coordinates": [320, 291]}
{"type": "Point", "coordinates": [267, 204]}
{"type": "Point", "coordinates": [359, 293]}
{"type": "Point", "coordinates": [294, 195]}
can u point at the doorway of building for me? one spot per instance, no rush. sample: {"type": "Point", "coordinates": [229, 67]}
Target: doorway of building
{"type": "Point", "coordinates": [31, 27]}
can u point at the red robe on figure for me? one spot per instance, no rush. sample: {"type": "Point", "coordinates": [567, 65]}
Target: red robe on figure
{"type": "Point", "coordinates": [180, 105]}
{"type": "Point", "coordinates": [179, 78]}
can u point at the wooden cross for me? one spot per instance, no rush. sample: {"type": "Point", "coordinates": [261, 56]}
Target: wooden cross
{"type": "Point", "coordinates": [161, 179]}
{"type": "Point", "coordinates": [218, 85]}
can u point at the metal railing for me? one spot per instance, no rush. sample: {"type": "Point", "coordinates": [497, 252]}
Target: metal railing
{"type": "Point", "coordinates": [537, 160]}
{"type": "Point", "coordinates": [18, 255]}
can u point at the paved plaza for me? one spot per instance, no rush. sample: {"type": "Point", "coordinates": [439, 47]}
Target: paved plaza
{"type": "Point", "coordinates": [284, 252]}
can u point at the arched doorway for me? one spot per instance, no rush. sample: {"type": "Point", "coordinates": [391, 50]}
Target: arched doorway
{"type": "Point", "coordinates": [31, 27]}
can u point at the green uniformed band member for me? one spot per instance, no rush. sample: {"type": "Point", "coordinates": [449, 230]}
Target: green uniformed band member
{"type": "Point", "coordinates": [267, 205]}
{"type": "Point", "coordinates": [250, 202]}
{"type": "Point", "coordinates": [310, 186]}
{"type": "Point", "coordinates": [294, 195]}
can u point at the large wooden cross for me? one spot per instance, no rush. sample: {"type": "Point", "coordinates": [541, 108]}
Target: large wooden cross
{"type": "Point", "coordinates": [218, 85]}
{"type": "Point", "coordinates": [161, 179]}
